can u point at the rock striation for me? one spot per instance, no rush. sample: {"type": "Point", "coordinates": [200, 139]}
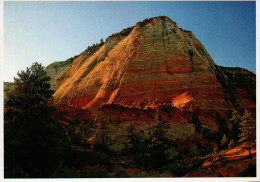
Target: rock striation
{"type": "Point", "coordinates": [153, 63]}
{"type": "Point", "coordinates": [54, 69]}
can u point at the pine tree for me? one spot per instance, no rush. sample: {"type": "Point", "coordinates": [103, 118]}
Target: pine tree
{"type": "Point", "coordinates": [160, 128]}
{"type": "Point", "coordinates": [248, 130]}
{"type": "Point", "coordinates": [101, 41]}
{"type": "Point", "coordinates": [34, 141]}
{"type": "Point", "coordinates": [224, 141]}
{"type": "Point", "coordinates": [236, 119]}
{"type": "Point", "coordinates": [159, 143]}
{"type": "Point", "coordinates": [102, 128]}
{"type": "Point", "coordinates": [134, 138]}
{"type": "Point", "coordinates": [31, 89]}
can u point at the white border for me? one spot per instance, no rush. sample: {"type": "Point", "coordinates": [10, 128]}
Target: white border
{"type": "Point", "coordinates": [230, 179]}
{"type": "Point", "coordinates": [1, 90]}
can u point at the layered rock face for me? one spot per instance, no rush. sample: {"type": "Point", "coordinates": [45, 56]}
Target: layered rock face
{"type": "Point", "coordinates": [240, 85]}
{"type": "Point", "coordinates": [54, 69]}
{"type": "Point", "coordinates": [153, 63]}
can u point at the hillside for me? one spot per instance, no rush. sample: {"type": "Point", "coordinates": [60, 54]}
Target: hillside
{"type": "Point", "coordinates": [54, 69]}
{"type": "Point", "coordinates": [229, 163]}
{"type": "Point", "coordinates": [155, 63]}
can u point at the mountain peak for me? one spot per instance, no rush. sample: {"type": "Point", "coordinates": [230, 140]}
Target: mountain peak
{"type": "Point", "coordinates": [148, 22]}
{"type": "Point", "coordinates": [158, 19]}
{"type": "Point", "coordinates": [153, 63]}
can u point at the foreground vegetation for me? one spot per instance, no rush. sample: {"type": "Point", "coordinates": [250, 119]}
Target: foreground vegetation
{"type": "Point", "coordinates": [36, 145]}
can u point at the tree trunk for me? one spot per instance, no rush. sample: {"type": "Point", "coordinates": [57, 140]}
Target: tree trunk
{"type": "Point", "coordinates": [249, 148]}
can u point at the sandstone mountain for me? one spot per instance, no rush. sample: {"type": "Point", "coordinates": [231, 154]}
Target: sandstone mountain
{"type": "Point", "coordinates": [54, 69]}
{"type": "Point", "coordinates": [153, 63]}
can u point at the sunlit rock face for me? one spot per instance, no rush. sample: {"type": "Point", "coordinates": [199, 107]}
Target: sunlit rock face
{"type": "Point", "coordinates": [153, 63]}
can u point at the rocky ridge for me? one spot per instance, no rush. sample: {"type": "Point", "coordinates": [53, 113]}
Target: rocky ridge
{"type": "Point", "coordinates": [54, 69]}
{"type": "Point", "coordinates": [153, 63]}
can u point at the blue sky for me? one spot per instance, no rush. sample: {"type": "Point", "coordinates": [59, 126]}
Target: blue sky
{"type": "Point", "coordinates": [55, 31]}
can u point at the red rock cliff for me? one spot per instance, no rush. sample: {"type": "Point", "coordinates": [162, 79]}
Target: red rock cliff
{"type": "Point", "coordinates": [153, 63]}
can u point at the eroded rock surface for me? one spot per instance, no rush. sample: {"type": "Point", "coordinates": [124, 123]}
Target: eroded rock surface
{"type": "Point", "coordinates": [153, 63]}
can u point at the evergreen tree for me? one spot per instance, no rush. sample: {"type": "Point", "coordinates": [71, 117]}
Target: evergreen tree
{"type": "Point", "coordinates": [31, 89]}
{"type": "Point", "coordinates": [236, 120]}
{"type": "Point", "coordinates": [224, 142]}
{"type": "Point", "coordinates": [160, 128]}
{"type": "Point", "coordinates": [102, 129]}
{"type": "Point", "coordinates": [132, 135]}
{"type": "Point", "coordinates": [159, 143]}
{"type": "Point", "coordinates": [101, 41]}
{"type": "Point", "coordinates": [33, 141]}
{"type": "Point", "coordinates": [248, 130]}
{"type": "Point", "coordinates": [134, 144]}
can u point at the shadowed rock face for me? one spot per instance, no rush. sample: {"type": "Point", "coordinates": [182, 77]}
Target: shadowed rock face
{"type": "Point", "coordinates": [154, 63]}
{"type": "Point", "coordinates": [55, 69]}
